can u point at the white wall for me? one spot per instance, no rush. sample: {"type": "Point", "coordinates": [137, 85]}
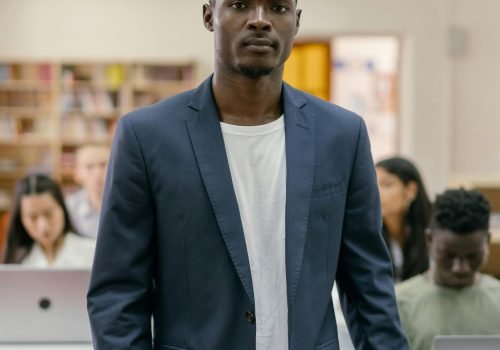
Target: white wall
{"type": "Point", "coordinates": [425, 68]}
{"type": "Point", "coordinates": [476, 99]}
{"type": "Point", "coordinates": [450, 106]}
{"type": "Point", "coordinates": [105, 29]}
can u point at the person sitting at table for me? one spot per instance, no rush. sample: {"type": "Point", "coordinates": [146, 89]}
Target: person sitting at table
{"type": "Point", "coordinates": [452, 297]}
{"type": "Point", "coordinates": [40, 233]}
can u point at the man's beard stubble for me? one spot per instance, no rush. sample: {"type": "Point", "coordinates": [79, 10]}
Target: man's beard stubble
{"type": "Point", "coordinates": [254, 72]}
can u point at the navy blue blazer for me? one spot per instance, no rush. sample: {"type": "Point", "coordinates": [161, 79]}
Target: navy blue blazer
{"type": "Point", "coordinates": [171, 241]}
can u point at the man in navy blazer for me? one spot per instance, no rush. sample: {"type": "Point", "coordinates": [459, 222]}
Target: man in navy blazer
{"type": "Point", "coordinates": [230, 210]}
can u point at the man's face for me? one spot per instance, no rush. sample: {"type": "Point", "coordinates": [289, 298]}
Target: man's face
{"type": "Point", "coordinates": [91, 164]}
{"type": "Point", "coordinates": [252, 37]}
{"type": "Point", "coordinates": [456, 257]}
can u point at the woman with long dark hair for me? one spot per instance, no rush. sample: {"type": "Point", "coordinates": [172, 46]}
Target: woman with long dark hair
{"type": "Point", "coordinates": [40, 233]}
{"type": "Point", "coordinates": [406, 211]}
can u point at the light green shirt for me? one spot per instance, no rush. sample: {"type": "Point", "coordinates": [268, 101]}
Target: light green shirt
{"type": "Point", "coordinates": [427, 310]}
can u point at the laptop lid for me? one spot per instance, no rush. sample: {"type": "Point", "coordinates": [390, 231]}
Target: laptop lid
{"type": "Point", "coordinates": [467, 342]}
{"type": "Point", "coordinates": [43, 305]}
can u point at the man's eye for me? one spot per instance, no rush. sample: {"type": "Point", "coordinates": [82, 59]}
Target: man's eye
{"type": "Point", "coordinates": [238, 5]}
{"type": "Point", "coordinates": [280, 8]}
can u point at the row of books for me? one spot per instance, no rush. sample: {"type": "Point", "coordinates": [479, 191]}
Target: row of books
{"type": "Point", "coordinates": [81, 129]}
{"type": "Point", "coordinates": [90, 101]}
{"type": "Point", "coordinates": [112, 75]}
{"type": "Point", "coordinates": [17, 129]}
{"type": "Point", "coordinates": [25, 98]}
{"type": "Point", "coordinates": [157, 73]}
{"type": "Point", "coordinates": [26, 72]}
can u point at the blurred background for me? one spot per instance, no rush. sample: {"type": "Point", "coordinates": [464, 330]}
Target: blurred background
{"type": "Point", "coordinates": [424, 75]}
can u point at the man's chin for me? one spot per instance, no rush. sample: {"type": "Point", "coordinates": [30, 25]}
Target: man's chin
{"type": "Point", "coordinates": [254, 72]}
{"type": "Point", "coordinates": [459, 283]}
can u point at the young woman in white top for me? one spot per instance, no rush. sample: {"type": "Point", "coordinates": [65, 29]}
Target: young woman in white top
{"type": "Point", "coordinates": [40, 233]}
{"type": "Point", "coordinates": [406, 211]}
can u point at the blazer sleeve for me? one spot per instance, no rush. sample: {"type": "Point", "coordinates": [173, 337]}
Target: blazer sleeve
{"type": "Point", "coordinates": [119, 299]}
{"type": "Point", "coordinates": [364, 275]}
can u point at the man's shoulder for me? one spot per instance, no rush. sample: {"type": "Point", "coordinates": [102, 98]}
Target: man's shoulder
{"type": "Point", "coordinates": [491, 283]}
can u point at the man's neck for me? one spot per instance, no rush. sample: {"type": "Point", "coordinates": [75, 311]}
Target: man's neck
{"type": "Point", "coordinates": [246, 101]}
{"type": "Point", "coordinates": [430, 276]}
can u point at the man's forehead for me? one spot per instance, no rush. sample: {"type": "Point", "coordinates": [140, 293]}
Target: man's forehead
{"type": "Point", "coordinates": [447, 238]}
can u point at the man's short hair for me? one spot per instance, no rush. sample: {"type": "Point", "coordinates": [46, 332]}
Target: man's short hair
{"type": "Point", "coordinates": [461, 211]}
{"type": "Point", "coordinates": [211, 2]}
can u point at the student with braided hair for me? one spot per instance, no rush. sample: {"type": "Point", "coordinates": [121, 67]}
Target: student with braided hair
{"type": "Point", "coordinates": [452, 297]}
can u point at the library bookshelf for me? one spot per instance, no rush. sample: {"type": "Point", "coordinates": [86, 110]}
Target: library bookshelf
{"type": "Point", "coordinates": [48, 109]}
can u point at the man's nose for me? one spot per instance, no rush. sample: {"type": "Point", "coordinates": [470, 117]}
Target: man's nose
{"type": "Point", "coordinates": [460, 266]}
{"type": "Point", "coordinates": [259, 19]}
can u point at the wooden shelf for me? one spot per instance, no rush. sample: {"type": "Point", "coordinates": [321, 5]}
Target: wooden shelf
{"type": "Point", "coordinates": [11, 175]}
{"type": "Point", "coordinates": [81, 142]}
{"type": "Point", "coordinates": [26, 110]}
{"type": "Point", "coordinates": [26, 143]}
{"type": "Point", "coordinates": [79, 102]}
{"type": "Point", "coordinates": [79, 113]}
{"type": "Point", "coordinates": [26, 85]}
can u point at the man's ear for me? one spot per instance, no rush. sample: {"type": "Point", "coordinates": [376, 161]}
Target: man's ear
{"type": "Point", "coordinates": [297, 24]}
{"type": "Point", "coordinates": [208, 17]}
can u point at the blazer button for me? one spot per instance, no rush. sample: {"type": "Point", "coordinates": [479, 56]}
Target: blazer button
{"type": "Point", "coordinates": [250, 317]}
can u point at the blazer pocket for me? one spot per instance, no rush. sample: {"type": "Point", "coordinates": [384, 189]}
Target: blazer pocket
{"type": "Point", "coordinates": [332, 344]}
{"type": "Point", "coordinates": [328, 190]}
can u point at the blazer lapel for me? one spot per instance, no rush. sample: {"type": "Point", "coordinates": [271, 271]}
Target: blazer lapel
{"type": "Point", "coordinates": [300, 156]}
{"type": "Point", "coordinates": [208, 144]}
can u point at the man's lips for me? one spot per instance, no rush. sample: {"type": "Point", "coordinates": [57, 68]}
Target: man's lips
{"type": "Point", "coordinates": [259, 45]}
{"type": "Point", "coordinates": [259, 42]}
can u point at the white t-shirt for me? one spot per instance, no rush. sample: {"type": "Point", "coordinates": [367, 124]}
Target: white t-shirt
{"type": "Point", "coordinates": [83, 215]}
{"type": "Point", "coordinates": [76, 252]}
{"type": "Point", "coordinates": [257, 162]}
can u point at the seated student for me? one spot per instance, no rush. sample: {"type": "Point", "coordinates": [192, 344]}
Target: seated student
{"type": "Point", "coordinates": [452, 297]}
{"type": "Point", "coordinates": [406, 211]}
{"type": "Point", "coordinates": [84, 205]}
{"type": "Point", "coordinates": [40, 232]}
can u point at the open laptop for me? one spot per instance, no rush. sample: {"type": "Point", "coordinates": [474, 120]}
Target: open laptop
{"type": "Point", "coordinates": [43, 305]}
{"type": "Point", "coordinates": [467, 342]}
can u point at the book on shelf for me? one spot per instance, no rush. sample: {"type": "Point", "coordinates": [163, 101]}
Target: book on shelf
{"type": "Point", "coordinates": [45, 72]}
{"type": "Point", "coordinates": [8, 128]}
{"type": "Point", "coordinates": [25, 98]}
{"type": "Point", "coordinates": [115, 76]}
{"type": "Point", "coordinates": [74, 129]}
{"type": "Point", "coordinates": [89, 101]}
{"type": "Point", "coordinates": [4, 72]}
{"type": "Point", "coordinates": [25, 129]}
